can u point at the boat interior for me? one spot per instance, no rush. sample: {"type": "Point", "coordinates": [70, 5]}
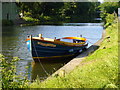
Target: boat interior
{"type": "Point", "coordinates": [65, 39]}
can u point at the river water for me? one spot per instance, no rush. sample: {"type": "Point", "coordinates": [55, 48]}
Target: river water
{"type": "Point", "coordinates": [14, 44]}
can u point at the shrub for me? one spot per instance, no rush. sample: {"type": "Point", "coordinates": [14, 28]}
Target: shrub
{"type": "Point", "coordinates": [109, 19]}
{"type": "Point", "coordinates": [8, 74]}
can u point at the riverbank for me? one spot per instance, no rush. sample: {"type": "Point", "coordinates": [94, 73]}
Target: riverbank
{"type": "Point", "coordinates": [66, 69]}
{"type": "Point", "coordinates": [98, 70]}
{"type": "Point", "coordinates": [29, 21]}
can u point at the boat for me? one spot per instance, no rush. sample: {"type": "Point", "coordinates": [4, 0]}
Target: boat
{"type": "Point", "coordinates": [46, 48]}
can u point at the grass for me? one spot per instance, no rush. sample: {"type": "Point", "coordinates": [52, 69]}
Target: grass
{"type": "Point", "coordinates": [30, 19]}
{"type": "Point", "coordinates": [99, 70]}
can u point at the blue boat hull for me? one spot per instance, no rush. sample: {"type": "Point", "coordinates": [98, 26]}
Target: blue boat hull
{"type": "Point", "coordinates": [43, 50]}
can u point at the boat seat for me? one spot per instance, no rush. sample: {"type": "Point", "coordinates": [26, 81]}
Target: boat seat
{"type": "Point", "coordinates": [48, 39]}
{"type": "Point", "coordinates": [77, 41]}
{"type": "Point", "coordinates": [36, 37]}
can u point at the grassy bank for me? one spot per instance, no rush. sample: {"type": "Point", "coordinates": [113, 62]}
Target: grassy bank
{"type": "Point", "coordinates": [99, 70]}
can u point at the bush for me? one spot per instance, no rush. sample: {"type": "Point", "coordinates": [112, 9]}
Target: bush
{"type": "Point", "coordinates": [30, 19]}
{"type": "Point", "coordinates": [108, 7]}
{"type": "Point", "coordinates": [109, 19]}
{"type": "Point", "coordinates": [9, 77]}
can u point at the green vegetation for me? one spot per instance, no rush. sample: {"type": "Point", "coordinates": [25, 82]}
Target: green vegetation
{"type": "Point", "coordinates": [99, 70]}
{"type": "Point", "coordinates": [66, 12]}
{"type": "Point", "coordinates": [30, 19]}
{"type": "Point", "coordinates": [108, 7]}
{"type": "Point", "coordinates": [110, 19]}
{"type": "Point", "coordinates": [9, 77]}
{"type": "Point", "coordinates": [59, 12]}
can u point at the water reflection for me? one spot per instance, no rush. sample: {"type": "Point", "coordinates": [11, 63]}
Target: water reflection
{"type": "Point", "coordinates": [43, 69]}
{"type": "Point", "coordinates": [24, 68]}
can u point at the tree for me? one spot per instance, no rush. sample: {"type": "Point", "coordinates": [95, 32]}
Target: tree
{"type": "Point", "coordinates": [60, 11]}
{"type": "Point", "coordinates": [108, 7]}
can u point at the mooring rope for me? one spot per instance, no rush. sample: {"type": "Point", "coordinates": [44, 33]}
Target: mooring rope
{"type": "Point", "coordinates": [39, 60]}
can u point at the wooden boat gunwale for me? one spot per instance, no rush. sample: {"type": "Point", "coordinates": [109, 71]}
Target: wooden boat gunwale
{"type": "Point", "coordinates": [57, 41]}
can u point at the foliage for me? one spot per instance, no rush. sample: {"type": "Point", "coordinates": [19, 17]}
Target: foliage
{"type": "Point", "coordinates": [60, 11]}
{"type": "Point", "coordinates": [99, 70]}
{"type": "Point", "coordinates": [110, 19]}
{"type": "Point", "coordinates": [9, 78]}
{"type": "Point", "coordinates": [30, 19]}
{"type": "Point", "coordinates": [108, 7]}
